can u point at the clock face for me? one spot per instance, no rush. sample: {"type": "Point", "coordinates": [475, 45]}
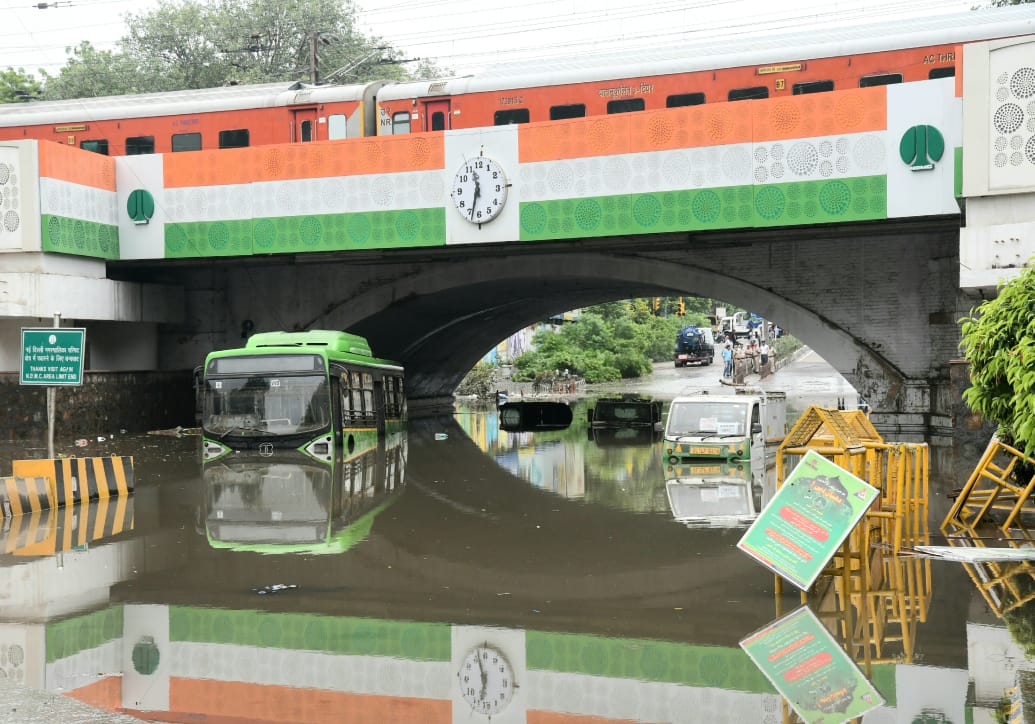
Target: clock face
{"type": "Point", "coordinates": [480, 190]}
{"type": "Point", "coordinates": [486, 680]}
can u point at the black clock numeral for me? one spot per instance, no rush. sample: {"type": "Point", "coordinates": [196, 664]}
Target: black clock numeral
{"type": "Point", "coordinates": [495, 175]}
{"type": "Point", "coordinates": [461, 204]}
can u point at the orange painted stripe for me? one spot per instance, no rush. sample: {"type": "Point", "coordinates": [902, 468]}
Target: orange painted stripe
{"type": "Point", "coordinates": [104, 694]}
{"type": "Point", "coordinates": [550, 717]}
{"type": "Point", "coordinates": [271, 703]}
{"type": "Point", "coordinates": [819, 114]}
{"type": "Point", "coordinates": [324, 159]}
{"type": "Point", "coordinates": [77, 166]}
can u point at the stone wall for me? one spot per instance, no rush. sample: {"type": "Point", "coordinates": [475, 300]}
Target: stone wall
{"type": "Point", "coordinates": [106, 403]}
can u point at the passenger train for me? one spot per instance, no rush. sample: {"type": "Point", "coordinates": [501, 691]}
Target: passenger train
{"type": "Point", "coordinates": [706, 71]}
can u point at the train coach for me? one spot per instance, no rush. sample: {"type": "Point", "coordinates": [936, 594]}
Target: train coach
{"type": "Point", "coordinates": [769, 65]}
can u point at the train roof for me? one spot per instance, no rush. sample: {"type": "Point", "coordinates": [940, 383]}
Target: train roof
{"type": "Point", "coordinates": [732, 51]}
{"type": "Point", "coordinates": [198, 100]}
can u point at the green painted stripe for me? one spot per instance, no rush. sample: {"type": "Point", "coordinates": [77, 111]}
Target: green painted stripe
{"type": "Point", "coordinates": [311, 632]}
{"type": "Point", "coordinates": [72, 635]}
{"type": "Point", "coordinates": [291, 234]}
{"type": "Point", "coordinates": [646, 660]}
{"type": "Point", "coordinates": [958, 168]}
{"type": "Point", "coordinates": [83, 238]}
{"type": "Point", "coordinates": [788, 204]}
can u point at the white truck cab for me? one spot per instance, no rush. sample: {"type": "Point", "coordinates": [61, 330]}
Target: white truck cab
{"type": "Point", "coordinates": [748, 426]}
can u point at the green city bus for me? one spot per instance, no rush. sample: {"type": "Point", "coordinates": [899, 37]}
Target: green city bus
{"type": "Point", "coordinates": [320, 392]}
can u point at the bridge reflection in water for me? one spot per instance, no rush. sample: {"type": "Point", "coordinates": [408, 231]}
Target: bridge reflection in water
{"type": "Point", "coordinates": [556, 557]}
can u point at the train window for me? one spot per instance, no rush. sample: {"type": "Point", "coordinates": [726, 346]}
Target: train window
{"type": "Point", "coordinates": [747, 94]}
{"type": "Point", "coordinates": [400, 123]}
{"type": "Point", "coordinates": [337, 126]}
{"type": "Point", "coordinates": [140, 145]}
{"type": "Point", "coordinates": [186, 142]}
{"type": "Point", "coordinates": [506, 118]}
{"type": "Point", "coordinates": [684, 99]}
{"type": "Point", "coordinates": [575, 110]}
{"type": "Point", "coordinates": [626, 105]}
{"type": "Point", "coordinates": [305, 131]}
{"type": "Point", "coordinates": [812, 86]}
{"type": "Point", "coordinates": [99, 146]}
{"type": "Point", "coordinates": [883, 79]}
{"type": "Point", "coordinates": [438, 121]}
{"type": "Point", "coordinates": [948, 72]}
{"type": "Point", "coordinates": [237, 138]}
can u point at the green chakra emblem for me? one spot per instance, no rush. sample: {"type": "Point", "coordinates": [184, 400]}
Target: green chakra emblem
{"type": "Point", "coordinates": [921, 147]}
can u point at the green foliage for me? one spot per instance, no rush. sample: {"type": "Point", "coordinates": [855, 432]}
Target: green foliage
{"type": "Point", "coordinates": [480, 381]}
{"type": "Point", "coordinates": [998, 340]}
{"type": "Point", "coordinates": [608, 342]}
{"type": "Point", "coordinates": [195, 44]}
{"type": "Point", "coordinates": [17, 86]}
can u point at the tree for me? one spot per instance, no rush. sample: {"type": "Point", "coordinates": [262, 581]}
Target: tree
{"type": "Point", "coordinates": [17, 86]}
{"type": "Point", "coordinates": [90, 72]}
{"type": "Point", "coordinates": [998, 340]}
{"type": "Point", "coordinates": [195, 44]}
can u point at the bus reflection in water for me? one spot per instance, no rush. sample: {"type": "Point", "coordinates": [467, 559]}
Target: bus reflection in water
{"type": "Point", "coordinates": [291, 503]}
{"type": "Point", "coordinates": [319, 392]}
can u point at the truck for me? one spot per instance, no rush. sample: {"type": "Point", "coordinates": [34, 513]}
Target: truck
{"type": "Point", "coordinates": [736, 324]}
{"type": "Point", "coordinates": [748, 425]}
{"type": "Point", "coordinates": [694, 345]}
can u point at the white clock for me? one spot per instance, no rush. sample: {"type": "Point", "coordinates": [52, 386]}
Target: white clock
{"type": "Point", "coordinates": [480, 190]}
{"type": "Point", "coordinates": [486, 680]}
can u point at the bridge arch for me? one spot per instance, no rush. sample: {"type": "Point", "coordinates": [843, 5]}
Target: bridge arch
{"type": "Point", "coordinates": [440, 322]}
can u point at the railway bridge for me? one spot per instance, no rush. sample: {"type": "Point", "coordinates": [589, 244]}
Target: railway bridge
{"type": "Point", "coordinates": [864, 221]}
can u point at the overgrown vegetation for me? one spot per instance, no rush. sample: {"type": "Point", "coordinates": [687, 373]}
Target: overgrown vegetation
{"type": "Point", "coordinates": [999, 343]}
{"type": "Point", "coordinates": [609, 342]}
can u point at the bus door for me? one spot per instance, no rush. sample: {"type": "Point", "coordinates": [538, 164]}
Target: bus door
{"type": "Point", "coordinates": [305, 125]}
{"type": "Point", "coordinates": [436, 115]}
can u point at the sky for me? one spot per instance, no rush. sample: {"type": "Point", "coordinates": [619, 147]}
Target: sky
{"type": "Point", "coordinates": [462, 35]}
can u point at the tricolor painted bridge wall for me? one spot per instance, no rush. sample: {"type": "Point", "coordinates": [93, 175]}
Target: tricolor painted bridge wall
{"type": "Point", "coordinates": [823, 158]}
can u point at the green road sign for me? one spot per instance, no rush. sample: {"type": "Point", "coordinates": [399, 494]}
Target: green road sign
{"type": "Point", "coordinates": [52, 356]}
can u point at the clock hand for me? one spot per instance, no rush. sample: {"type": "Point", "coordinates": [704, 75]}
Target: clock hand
{"type": "Point", "coordinates": [474, 204]}
{"type": "Point", "coordinates": [484, 675]}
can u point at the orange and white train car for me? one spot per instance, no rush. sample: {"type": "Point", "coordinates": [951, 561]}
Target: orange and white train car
{"type": "Point", "coordinates": [760, 65]}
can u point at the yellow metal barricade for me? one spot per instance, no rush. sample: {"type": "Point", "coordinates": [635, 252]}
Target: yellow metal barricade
{"type": "Point", "coordinates": [997, 485]}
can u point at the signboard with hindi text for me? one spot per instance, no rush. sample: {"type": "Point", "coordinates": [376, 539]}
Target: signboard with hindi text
{"type": "Point", "coordinates": [807, 520]}
{"type": "Point", "coordinates": [52, 356]}
{"type": "Point", "coordinates": [806, 665]}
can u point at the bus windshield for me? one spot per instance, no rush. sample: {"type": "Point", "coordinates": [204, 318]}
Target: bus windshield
{"type": "Point", "coordinates": [264, 405]}
{"type": "Point", "coordinates": [706, 418]}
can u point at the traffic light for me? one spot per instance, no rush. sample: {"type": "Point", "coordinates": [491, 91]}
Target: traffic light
{"type": "Point", "coordinates": [682, 307]}
{"type": "Point", "coordinates": [655, 304]}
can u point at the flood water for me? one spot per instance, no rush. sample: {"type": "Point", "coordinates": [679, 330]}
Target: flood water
{"type": "Point", "coordinates": [462, 574]}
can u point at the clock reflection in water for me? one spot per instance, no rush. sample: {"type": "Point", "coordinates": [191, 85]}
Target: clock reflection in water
{"type": "Point", "coordinates": [486, 680]}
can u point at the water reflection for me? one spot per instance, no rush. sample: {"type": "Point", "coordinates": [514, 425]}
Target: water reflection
{"type": "Point", "coordinates": [570, 564]}
{"type": "Point", "coordinates": [718, 493]}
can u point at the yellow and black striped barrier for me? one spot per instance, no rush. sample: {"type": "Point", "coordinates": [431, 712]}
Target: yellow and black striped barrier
{"type": "Point", "coordinates": [54, 530]}
{"type": "Point", "coordinates": [78, 479]}
{"type": "Point", "coordinates": [23, 495]}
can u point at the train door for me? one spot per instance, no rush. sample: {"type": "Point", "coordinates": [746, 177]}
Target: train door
{"type": "Point", "coordinates": [436, 115]}
{"type": "Point", "coordinates": [305, 125]}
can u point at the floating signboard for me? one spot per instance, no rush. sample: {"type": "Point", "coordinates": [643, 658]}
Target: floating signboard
{"type": "Point", "coordinates": [52, 356]}
{"type": "Point", "coordinates": [807, 520]}
{"type": "Point", "coordinates": [806, 665]}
